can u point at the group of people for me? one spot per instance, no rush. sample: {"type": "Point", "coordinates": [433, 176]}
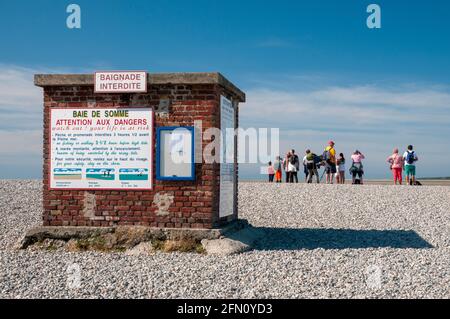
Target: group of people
{"type": "Point", "coordinates": [406, 162]}
{"type": "Point", "coordinates": [335, 166]}
{"type": "Point", "coordinates": [290, 165]}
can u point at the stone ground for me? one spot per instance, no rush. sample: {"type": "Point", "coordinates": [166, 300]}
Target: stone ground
{"type": "Point", "coordinates": [320, 241]}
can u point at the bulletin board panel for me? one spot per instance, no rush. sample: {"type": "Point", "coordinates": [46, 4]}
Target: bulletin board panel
{"type": "Point", "coordinates": [227, 162]}
{"type": "Point", "coordinates": [102, 149]}
{"type": "Point", "coordinates": [175, 153]}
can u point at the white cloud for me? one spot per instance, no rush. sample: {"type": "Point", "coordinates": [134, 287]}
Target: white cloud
{"type": "Point", "coordinates": [348, 107]}
{"type": "Point", "coordinates": [21, 102]}
{"type": "Point", "coordinates": [22, 144]}
{"type": "Point", "coordinates": [21, 105]}
{"type": "Point", "coordinates": [424, 98]}
{"type": "Point", "coordinates": [17, 90]}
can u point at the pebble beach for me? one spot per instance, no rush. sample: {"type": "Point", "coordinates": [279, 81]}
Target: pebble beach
{"type": "Point", "coordinates": [321, 241]}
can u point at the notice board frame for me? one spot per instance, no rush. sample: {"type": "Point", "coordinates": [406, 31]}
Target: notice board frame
{"type": "Point", "coordinates": [49, 143]}
{"type": "Point", "coordinates": [160, 177]}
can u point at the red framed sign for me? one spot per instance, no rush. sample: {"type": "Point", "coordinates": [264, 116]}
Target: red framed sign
{"type": "Point", "coordinates": [120, 82]}
{"type": "Point", "coordinates": [101, 148]}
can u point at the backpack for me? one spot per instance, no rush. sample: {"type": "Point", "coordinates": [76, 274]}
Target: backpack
{"type": "Point", "coordinates": [293, 159]}
{"type": "Point", "coordinates": [326, 155]}
{"type": "Point", "coordinates": [410, 158]}
{"type": "Point", "coordinates": [310, 158]}
{"type": "Point", "coordinates": [317, 159]}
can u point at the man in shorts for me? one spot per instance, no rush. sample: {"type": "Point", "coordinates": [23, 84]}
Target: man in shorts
{"type": "Point", "coordinates": [330, 161]}
{"type": "Point", "coordinates": [410, 158]}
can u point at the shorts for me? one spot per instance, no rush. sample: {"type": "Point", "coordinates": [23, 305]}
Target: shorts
{"type": "Point", "coordinates": [330, 169]}
{"type": "Point", "coordinates": [410, 170]}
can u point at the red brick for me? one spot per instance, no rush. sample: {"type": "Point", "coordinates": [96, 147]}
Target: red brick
{"type": "Point", "coordinates": [122, 208]}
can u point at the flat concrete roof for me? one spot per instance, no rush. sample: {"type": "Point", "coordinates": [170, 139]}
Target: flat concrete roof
{"type": "Point", "coordinates": [44, 80]}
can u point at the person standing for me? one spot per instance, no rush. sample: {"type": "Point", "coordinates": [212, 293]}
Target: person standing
{"type": "Point", "coordinates": [270, 172]}
{"type": "Point", "coordinates": [396, 162]}
{"type": "Point", "coordinates": [329, 156]}
{"type": "Point", "coordinates": [310, 163]}
{"type": "Point", "coordinates": [305, 171]}
{"type": "Point", "coordinates": [410, 158]}
{"type": "Point", "coordinates": [293, 167]}
{"type": "Point", "coordinates": [286, 167]}
{"type": "Point", "coordinates": [277, 166]}
{"type": "Point", "coordinates": [340, 168]}
{"type": "Point", "coordinates": [357, 166]}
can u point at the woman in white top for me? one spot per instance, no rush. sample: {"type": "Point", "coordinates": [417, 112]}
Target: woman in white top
{"type": "Point", "coordinates": [340, 169]}
{"type": "Point", "coordinates": [286, 166]}
{"type": "Point", "coordinates": [292, 170]}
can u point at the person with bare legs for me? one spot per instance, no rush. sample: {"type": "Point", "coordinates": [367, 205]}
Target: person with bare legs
{"type": "Point", "coordinates": [329, 156]}
{"type": "Point", "coordinates": [410, 158]}
{"type": "Point", "coordinates": [340, 168]}
{"type": "Point", "coordinates": [286, 167]}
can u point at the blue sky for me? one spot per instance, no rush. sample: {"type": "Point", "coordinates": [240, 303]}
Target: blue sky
{"type": "Point", "coordinates": [311, 68]}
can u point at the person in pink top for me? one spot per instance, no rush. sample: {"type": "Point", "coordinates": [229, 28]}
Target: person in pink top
{"type": "Point", "coordinates": [396, 162]}
{"type": "Point", "coordinates": [270, 172]}
{"type": "Point", "coordinates": [357, 167]}
{"type": "Point", "coordinates": [357, 157]}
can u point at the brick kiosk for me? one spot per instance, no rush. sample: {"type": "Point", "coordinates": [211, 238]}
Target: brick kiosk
{"type": "Point", "coordinates": [177, 99]}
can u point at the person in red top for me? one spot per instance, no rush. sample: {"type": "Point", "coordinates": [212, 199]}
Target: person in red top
{"type": "Point", "coordinates": [397, 163]}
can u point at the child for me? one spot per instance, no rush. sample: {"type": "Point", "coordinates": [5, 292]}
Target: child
{"type": "Point", "coordinates": [271, 172]}
{"type": "Point", "coordinates": [277, 166]}
{"type": "Point", "coordinates": [340, 168]}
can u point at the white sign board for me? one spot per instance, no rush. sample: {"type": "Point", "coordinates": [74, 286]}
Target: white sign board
{"type": "Point", "coordinates": [99, 148]}
{"type": "Point", "coordinates": [176, 150]}
{"type": "Point", "coordinates": [120, 82]}
{"type": "Point", "coordinates": [227, 167]}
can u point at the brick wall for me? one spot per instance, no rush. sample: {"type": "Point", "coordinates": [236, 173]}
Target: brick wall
{"type": "Point", "coordinates": [195, 203]}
